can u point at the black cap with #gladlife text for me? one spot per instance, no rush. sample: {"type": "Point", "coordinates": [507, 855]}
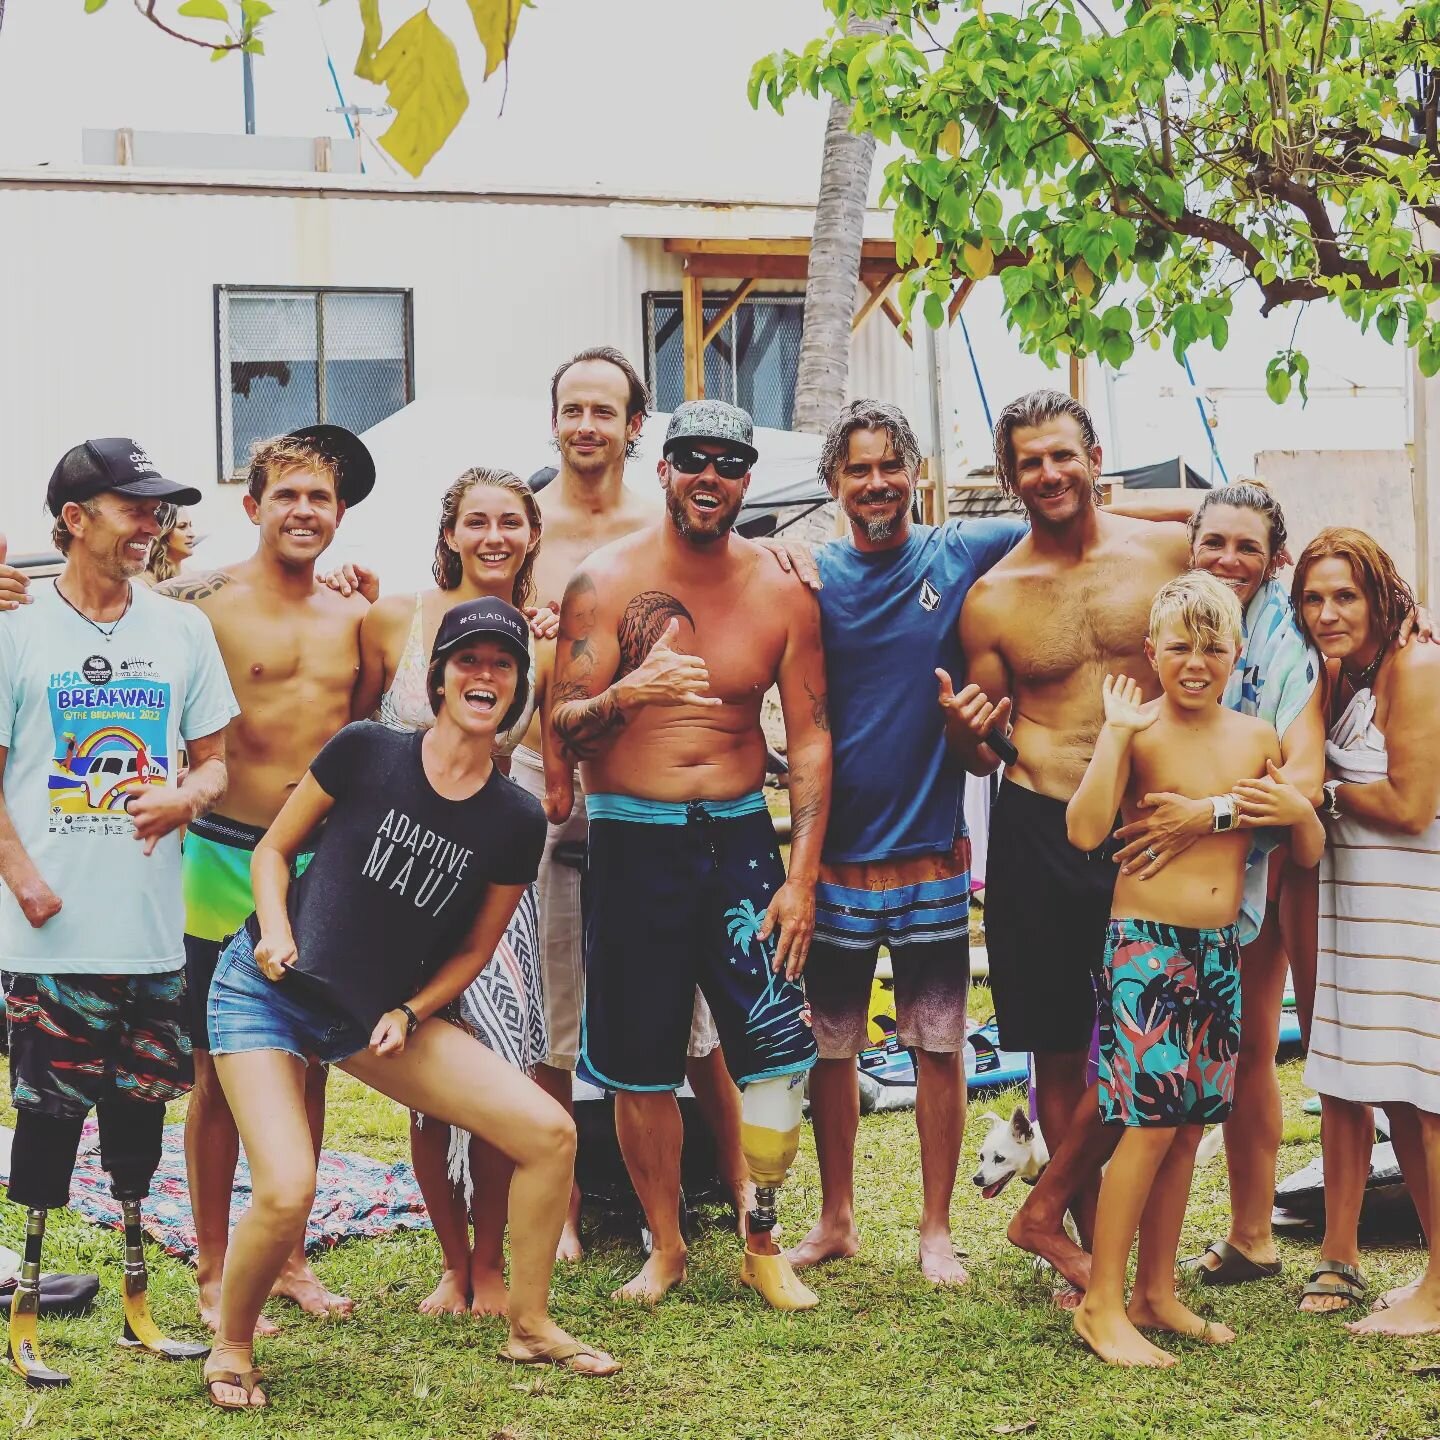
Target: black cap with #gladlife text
{"type": "Point", "coordinates": [489, 619]}
{"type": "Point", "coordinates": [114, 464]}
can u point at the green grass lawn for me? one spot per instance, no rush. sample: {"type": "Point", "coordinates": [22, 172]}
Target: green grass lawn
{"type": "Point", "coordinates": [884, 1356]}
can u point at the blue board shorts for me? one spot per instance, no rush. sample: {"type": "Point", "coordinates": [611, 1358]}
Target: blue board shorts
{"type": "Point", "coordinates": [677, 894]}
{"type": "Point", "coordinates": [1169, 1024]}
{"type": "Point", "coordinates": [245, 1012]}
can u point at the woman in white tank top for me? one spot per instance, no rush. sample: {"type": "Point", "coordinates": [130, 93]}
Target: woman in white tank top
{"type": "Point", "coordinates": [1376, 1033]}
{"type": "Point", "coordinates": [488, 535]}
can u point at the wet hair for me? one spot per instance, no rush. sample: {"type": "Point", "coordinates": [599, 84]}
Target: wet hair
{"type": "Point", "coordinates": [447, 568]}
{"type": "Point", "coordinates": [637, 402]}
{"type": "Point", "coordinates": [1245, 495]}
{"type": "Point", "coordinates": [285, 452]}
{"type": "Point", "coordinates": [60, 534]}
{"type": "Point", "coordinates": [435, 687]}
{"type": "Point", "coordinates": [1391, 599]}
{"type": "Point", "coordinates": [1207, 611]}
{"type": "Point", "coordinates": [866, 415]}
{"type": "Point", "coordinates": [160, 567]}
{"type": "Point", "coordinates": [1029, 411]}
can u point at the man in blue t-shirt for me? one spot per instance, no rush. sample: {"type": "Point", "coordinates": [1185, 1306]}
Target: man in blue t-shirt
{"type": "Point", "coordinates": [896, 863]}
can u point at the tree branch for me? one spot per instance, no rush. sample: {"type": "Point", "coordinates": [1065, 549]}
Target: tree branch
{"type": "Point", "coordinates": [147, 9]}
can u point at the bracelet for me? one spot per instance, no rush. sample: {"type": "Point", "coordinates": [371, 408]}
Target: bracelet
{"type": "Point", "coordinates": [1224, 817]}
{"type": "Point", "coordinates": [411, 1021]}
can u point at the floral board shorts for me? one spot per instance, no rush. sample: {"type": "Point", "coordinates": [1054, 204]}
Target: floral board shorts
{"type": "Point", "coordinates": [1169, 1024]}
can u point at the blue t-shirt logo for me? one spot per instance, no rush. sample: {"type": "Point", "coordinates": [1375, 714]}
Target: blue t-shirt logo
{"type": "Point", "coordinates": [929, 596]}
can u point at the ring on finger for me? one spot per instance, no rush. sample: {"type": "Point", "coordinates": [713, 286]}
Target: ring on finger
{"type": "Point", "coordinates": [1150, 853]}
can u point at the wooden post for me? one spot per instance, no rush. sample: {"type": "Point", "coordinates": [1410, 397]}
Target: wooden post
{"type": "Point", "coordinates": [1077, 379]}
{"type": "Point", "coordinates": [692, 314]}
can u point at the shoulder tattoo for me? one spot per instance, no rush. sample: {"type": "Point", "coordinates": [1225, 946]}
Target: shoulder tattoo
{"type": "Point", "coordinates": [193, 590]}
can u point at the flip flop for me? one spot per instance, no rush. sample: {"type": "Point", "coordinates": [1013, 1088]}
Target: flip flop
{"type": "Point", "coordinates": [246, 1380]}
{"type": "Point", "coordinates": [1351, 1286]}
{"type": "Point", "coordinates": [1235, 1267]}
{"type": "Point", "coordinates": [562, 1356]}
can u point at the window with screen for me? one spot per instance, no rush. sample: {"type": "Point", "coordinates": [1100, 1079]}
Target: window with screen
{"type": "Point", "coordinates": [288, 357]}
{"type": "Point", "coordinates": [752, 362]}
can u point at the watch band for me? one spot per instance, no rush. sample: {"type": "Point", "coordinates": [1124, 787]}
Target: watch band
{"type": "Point", "coordinates": [1225, 817]}
{"type": "Point", "coordinates": [411, 1020]}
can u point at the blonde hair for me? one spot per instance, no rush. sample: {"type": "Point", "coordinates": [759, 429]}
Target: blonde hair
{"type": "Point", "coordinates": [1208, 611]}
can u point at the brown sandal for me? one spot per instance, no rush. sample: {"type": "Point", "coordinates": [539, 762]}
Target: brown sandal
{"type": "Point", "coordinates": [246, 1380]}
{"type": "Point", "coordinates": [563, 1356]}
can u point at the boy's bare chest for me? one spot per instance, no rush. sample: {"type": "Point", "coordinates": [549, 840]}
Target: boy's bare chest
{"type": "Point", "coordinates": [1192, 764]}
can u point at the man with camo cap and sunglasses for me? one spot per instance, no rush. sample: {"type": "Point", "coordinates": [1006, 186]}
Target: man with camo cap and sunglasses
{"type": "Point", "coordinates": [669, 640]}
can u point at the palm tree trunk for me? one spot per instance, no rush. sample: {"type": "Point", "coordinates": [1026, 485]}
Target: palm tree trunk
{"type": "Point", "coordinates": [834, 273]}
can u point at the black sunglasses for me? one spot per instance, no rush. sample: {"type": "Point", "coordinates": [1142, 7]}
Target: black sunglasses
{"type": "Point", "coordinates": [690, 461]}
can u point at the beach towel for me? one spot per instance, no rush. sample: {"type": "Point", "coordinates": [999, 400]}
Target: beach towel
{"type": "Point", "coordinates": [355, 1197]}
{"type": "Point", "coordinates": [1274, 678]}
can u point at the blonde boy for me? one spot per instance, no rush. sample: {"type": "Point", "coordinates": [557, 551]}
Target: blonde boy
{"type": "Point", "coordinates": [1170, 990]}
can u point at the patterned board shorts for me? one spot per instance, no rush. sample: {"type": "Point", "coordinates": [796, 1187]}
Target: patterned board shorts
{"type": "Point", "coordinates": [78, 1039]}
{"type": "Point", "coordinates": [1169, 1024]}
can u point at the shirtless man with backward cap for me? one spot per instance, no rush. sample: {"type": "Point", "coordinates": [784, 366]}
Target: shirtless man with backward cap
{"type": "Point", "coordinates": [669, 640]}
{"type": "Point", "coordinates": [1040, 631]}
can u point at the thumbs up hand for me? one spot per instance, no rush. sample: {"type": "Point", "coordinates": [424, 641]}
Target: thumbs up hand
{"type": "Point", "coordinates": [14, 584]}
{"type": "Point", "coordinates": [666, 676]}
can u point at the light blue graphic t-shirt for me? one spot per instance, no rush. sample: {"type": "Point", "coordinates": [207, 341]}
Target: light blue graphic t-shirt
{"type": "Point", "coordinates": [88, 720]}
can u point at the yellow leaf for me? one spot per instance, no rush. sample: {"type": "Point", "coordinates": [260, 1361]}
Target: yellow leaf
{"type": "Point", "coordinates": [1076, 146]}
{"type": "Point", "coordinates": [1083, 278]}
{"type": "Point", "coordinates": [1387, 109]}
{"type": "Point", "coordinates": [369, 40]}
{"type": "Point", "coordinates": [980, 259]}
{"type": "Point", "coordinates": [951, 139]}
{"type": "Point", "coordinates": [924, 249]}
{"type": "Point", "coordinates": [495, 22]}
{"type": "Point", "coordinates": [419, 64]}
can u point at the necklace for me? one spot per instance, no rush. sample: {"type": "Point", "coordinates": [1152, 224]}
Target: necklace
{"type": "Point", "coordinates": [95, 624]}
{"type": "Point", "coordinates": [1366, 677]}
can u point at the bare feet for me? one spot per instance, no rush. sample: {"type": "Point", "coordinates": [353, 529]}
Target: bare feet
{"type": "Point", "coordinates": [299, 1283]}
{"type": "Point", "coordinates": [570, 1249]}
{"type": "Point", "coordinates": [1117, 1342]}
{"type": "Point", "coordinates": [1417, 1314]}
{"type": "Point", "coordinates": [938, 1262]}
{"type": "Point", "coordinates": [827, 1241]}
{"type": "Point", "coordinates": [450, 1297]}
{"type": "Point", "coordinates": [1053, 1246]}
{"type": "Point", "coordinates": [488, 1295]}
{"type": "Point", "coordinates": [1165, 1312]}
{"type": "Point", "coordinates": [658, 1275]}
{"type": "Point", "coordinates": [1397, 1296]}
{"type": "Point", "coordinates": [210, 1313]}
{"type": "Point", "coordinates": [552, 1346]}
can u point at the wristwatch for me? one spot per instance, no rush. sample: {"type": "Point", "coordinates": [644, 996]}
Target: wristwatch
{"type": "Point", "coordinates": [1225, 817]}
{"type": "Point", "coordinates": [1331, 808]}
{"type": "Point", "coordinates": [410, 1018]}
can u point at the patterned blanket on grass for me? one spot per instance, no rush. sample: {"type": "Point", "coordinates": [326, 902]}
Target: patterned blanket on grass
{"type": "Point", "coordinates": [354, 1196]}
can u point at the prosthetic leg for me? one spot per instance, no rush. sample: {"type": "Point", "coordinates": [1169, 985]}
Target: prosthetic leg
{"type": "Point", "coordinates": [770, 1135]}
{"type": "Point", "coordinates": [25, 1312]}
{"type": "Point", "coordinates": [130, 1140]}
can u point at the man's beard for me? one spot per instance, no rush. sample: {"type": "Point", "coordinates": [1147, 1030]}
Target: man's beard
{"type": "Point", "coordinates": [882, 527]}
{"type": "Point", "coordinates": [1094, 498]}
{"type": "Point", "coordinates": [675, 506]}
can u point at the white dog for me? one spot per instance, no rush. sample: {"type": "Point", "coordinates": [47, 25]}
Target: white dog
{"type": "Point", "coordinates": [1014, 1147]}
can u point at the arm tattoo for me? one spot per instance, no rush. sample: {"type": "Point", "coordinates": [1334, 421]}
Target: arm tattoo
{"type": "Point", "coordinates": [580, 600]}
{"type": "Point", "coordinates": [583, 722]}
{"type": "Point", "coordinates": [819, 711]}
{"type": "Point", "coordinates": [194, 590]}
{"type": "Point", "coordinates": [806, 798]}
{"type": "Point", "coordinates": [643, 623]}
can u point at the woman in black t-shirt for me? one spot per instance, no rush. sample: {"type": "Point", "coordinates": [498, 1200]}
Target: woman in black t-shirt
{"type": "Point", "coordinates": [425, 852]}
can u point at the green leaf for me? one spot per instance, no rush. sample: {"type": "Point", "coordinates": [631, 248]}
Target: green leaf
{"type": "Point", "coordinates": [934, 312]}
{"type": "Point", "coordinates": [419, 65]}
{"type": "Point", "coordinates": [205, 10]}
{"type": "Point", "coordinates": [219, 54]}
{"type": "Point", "coordinates": [255, 11]}
{"type": "Point", "coordinates": [91, 6]}
{"type": "Point", "coordinates": [988, 209]}
{"type": "Point", "coordinates": [1277, 383]}
{"type": "Point", "coordinates": [1387, 322]}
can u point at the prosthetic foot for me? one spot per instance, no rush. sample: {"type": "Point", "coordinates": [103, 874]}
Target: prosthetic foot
{"type": "Point", "coordinates": [25, 1311]}
{"type": "Point", "coordinates": [141, 1331]}
{"type": "Point", "coordinates": [770, 1136]}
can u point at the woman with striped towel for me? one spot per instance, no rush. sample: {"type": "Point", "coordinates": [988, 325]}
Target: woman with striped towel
{"type": "Point", "coordinates": [1375, 1038]}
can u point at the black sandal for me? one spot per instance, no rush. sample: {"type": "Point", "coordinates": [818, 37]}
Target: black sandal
{"type": "Point", "coordinates": [1235, 1267]}
{"type": "Point", "coordinates": [1350, 1287]}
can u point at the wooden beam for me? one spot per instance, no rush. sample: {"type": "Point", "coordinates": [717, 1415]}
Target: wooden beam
{"type": "Point", "coordinates": [887, 308]}
{"type": "Point", "coordinates": [1077, 379]}
{"type": "Point", "coordinates": [958, 299]}
{"type": "Point", "coordinates": [798, 246]}
{"type": "Point", "coordinates": [770, 267]}
{"type": "Point", "coordinates": [692, 312]}
{"type": "Point", "coordinates": [878, 289]}
{"type": "Point", "coordinates": [728, 309]}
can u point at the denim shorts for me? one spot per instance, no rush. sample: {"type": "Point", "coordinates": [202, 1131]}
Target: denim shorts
{"type": "Point", "coordinates": [246, 1011]}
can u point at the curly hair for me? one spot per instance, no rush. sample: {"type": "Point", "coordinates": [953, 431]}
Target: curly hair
{"type": "Point", "coordinates": [866, 415]}
{"type": "Point", "coordinates": [1029, 411]}
{"type": "Point", "coordinates": [160, 567]}
{"type": "Point", "coordinates": [1391, 599]}
{"type": "Point", "coordinates": [447, 568]}
{"type": "Point", "coordinates": [1245, 495]}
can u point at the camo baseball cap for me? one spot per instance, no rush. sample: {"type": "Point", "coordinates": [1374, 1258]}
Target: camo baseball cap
{"type": "Point", "coordinates": [712, 420]}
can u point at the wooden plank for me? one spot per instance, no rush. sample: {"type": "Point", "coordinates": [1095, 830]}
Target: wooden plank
{"type": "Point", "coordinates": [1077, 379]}
{"type": "Point", "coordinates": [728, 309]}
{"type": "Point", "coordinates": [798, 245]}
{"type": "Point", "coordinates": [887, 308]}
{"type": "Point", "coordinates": [958, 299]}
{"type": "Point", "coordinates": [879, 290]}
{"type": "Point", "coordinates": [692, 312]}
{"type": "Point", "coordinates": [770, 267]}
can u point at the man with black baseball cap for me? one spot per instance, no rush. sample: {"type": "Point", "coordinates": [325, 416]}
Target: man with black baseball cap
{"type": "Point", "coordinates": [100, 685]}
{"type": "Point", "coordinates": [292, 648]}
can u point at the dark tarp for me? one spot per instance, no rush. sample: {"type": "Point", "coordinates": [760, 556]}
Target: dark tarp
{"type": "Point", "coordinates": [1164, 476]}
